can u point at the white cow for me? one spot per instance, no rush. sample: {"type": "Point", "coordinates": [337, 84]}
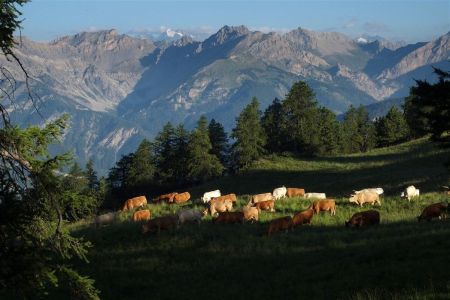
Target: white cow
{"type": "Point", "coordinates": [410, 192]}
{"type": "Point", "coordinates": [105, 219]}
{"type": "Point", "coordinates": [315, 195]}
{"type": "Point", "coordinates": [279, 193]}
{"type": "Point", "coordinates": [379, 191]}
{"type": "Point", "coordinates": [208, 195]}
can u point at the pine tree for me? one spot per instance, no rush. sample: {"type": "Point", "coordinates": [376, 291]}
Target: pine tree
{"type": "Point", "coordinates": [117, 177]}
{"type": "Point", "coordinates": [202, 164]}
{"type": "Point", "coordinates": [329, 133]}
{"type": "Point", "coordinates": [271, 121]}
{"type": "Point", "coordinates": [392, 128]}
{"type": "Point", "coordinates": [358, 131]}
{"type": "Point", "coordinates": [91, 175]}
{"type": "Point", "coordinates": [142, 167]}
{"type": "Point", "coordinates": [300, 117]}
{"type": "Point", "coordinates": [249, 136]}
{"type": "Point", "coordinates": [164, 147]}
{"type": "Point", "coordinates": [180, 157]}
{"type": "Point", "coordinates": [219, 142]}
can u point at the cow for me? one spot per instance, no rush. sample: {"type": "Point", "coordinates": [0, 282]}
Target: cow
{"type": "Point", "coordinates": [446, 190]}
{"type": "Point", "coordinates": [216, 206]}
{"type": "Point", "coordinates": [315, 195]}
{"type": "Point", "coordinates": [379, 191]}
{"type": "Point", "coordinates": [250, 213]}
{"type": "Point", "coordinates": [189, 215]}
{"type": "Point", "coordinates": [134, 203]}
{"type": "Point", "coordinates": [231, 197]}
{"type": "Point", "coordinates": [181, 198]}
{"type": "Point", "coordinates": [104, 219]}
{"type": "Point", "coordinates": [265, 205]}
{"type": "Point", "coordinates": [209, 195]}
{"type": "Point", "coordinates": [279, 193]}
{"type": "Point", "coordinates": [295, 192]}
{"type": "Point", "coordinates": [165, 197]}
{"type": "Point", "coordinates": [229, 217]}
{"type": "Point", "coordinates": [261, 197]}
{"type": "Point", "coordinates": [324, 205]}
{"type": "Point", "coordinates": [160, 223]}
{"type": "Point", "coordinates": [410, 192]}
{"type": "Point", "coordinates": [364, 218]}
{"type": "Point", "coordinates": [280, 224]}
{"type": "Point", "coordinates": [303, 217]}
{"type": "Point", "coordinates": [365, 197]}
{"type": "Point", "coordinates": [436, 210]}
{"type": "Point", "coordinates": [141, 215]}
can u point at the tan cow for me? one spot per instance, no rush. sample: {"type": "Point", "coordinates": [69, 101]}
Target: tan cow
{"type": "Point", "coordinates": [250, 213]}
{"type": "Point", "coordinates": [265, 205]}
{"type": "Point", "coordinates": [229, 217]}
{"type": "Point", "coordinates": [324, 205]}
{"type": "Point", "coordinates": [261, 197]}
{"type": "Point", "coordinates": [364, 218]}
{"type": "Point", "coordinates": [365, 197]}
{"type": "Point", "coordinates": [134, 203]}
{"type": "Point", "coordinates": [165, 197]}
{"type": "Point", "coordinates": [159, 223]}
{"type": "Point", "coordinates": [216, 206]}
{"type": "Point", "coordinates": [295, 192]}
{"type": "Point", "coordinates": [280, 224]}
{"type": "Point", "coordinates": [141, 215]}
{"type": "Point", "coordinates": [436, 210]}
{"type": "Point", "coordinates": [303, 217]}
{"type": "Point", "coordinates": [181, 198]}
{"type": "Point", "coordinates": [232, 197]}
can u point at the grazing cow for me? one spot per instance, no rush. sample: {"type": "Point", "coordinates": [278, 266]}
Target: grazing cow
{"type": "Point", "coordinates": [364, 218]}
{"type": "Point", "coordinates": [295, 192]}
{"type": "Point", "coordinates": [261, 197]}
{"type": "Point", "coordinates": [134, 202]}
{"type": "Point", "coordinates": [159, 223]}
{"type": "Point", "coordinates": [303, 217]}
{"type": "Point", "coordinates": [324, 205]}
{"type": "Point", "coordinates": [209, 195]}
{"type": "Point", "coordinates": [436, 210]}
{"type": "Point", "coordinates": [265, 205]}
{"type": "Point", "coordinates": [165, 197]}
{"type": "Point", "coordinates": [181, 198]}
{"type": "Point", "coordinates": [280, 224]}
{"type": "Point", "coordinates": [229, 217]}
{"type": "Point", "coordinates": [379, 191]}
{"type": "Point", "coordinates": [231, 197]}
{"type": "Point", "coordinates": [250, 213]}
{"type": "Point", "coordinates": [410, 192]}
{"type": "Point", "coordinates": [141, 215]}
{"type": "Point", "coordinates": [315, 195]}
{"type": "Point", "coordinates": [216, 206]}
{"type": "Point", "coordinates": [189, 215]}
{"type": "Point", "coordinates": [365, 197]}
{"type": "Point", "coordinates": [105, 219]}
{"type": "Point", "coordinates": [279, 193]}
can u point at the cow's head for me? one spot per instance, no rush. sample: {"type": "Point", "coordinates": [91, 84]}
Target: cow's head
{"type": "Point", "coordinates": [353, 198]}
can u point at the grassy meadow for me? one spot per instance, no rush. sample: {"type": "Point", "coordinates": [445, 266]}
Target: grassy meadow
{"type": "Point", "coordinates": [400, 259]}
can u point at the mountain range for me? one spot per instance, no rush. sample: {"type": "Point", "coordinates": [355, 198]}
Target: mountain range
{"type": "Point", "coordinates": [119, 89]}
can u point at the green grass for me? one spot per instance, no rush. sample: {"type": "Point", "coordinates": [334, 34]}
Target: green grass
{"type": "Point", "coordinates": [400, 259]}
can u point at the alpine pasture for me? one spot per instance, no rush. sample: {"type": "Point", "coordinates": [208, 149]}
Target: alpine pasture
{"type": "Point", "coordinates": [401, 258]}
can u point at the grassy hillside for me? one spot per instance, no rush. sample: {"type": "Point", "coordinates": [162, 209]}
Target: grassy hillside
{"type": "Point", "coordinates": [399, 259]}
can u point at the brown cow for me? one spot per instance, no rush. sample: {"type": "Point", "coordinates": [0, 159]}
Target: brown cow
{"type": "Point", "coordinates": [164, 222]}
{"type": "Point", "coordinates": [265, 205]}
{"type": "Point", "coordinates": [165, 197]}
{"type": "Point", "coordinates": [229, 217]}
{"type": "Point", "coordinates": [181, 198]}
{"type": "Point", "coordinates": [284, 223]}
{"type": "Point", "coordinates": [436, 210]}
{"type": "Point", "coordinates": [134, 202]}
{"type": "Point", "coordinates": [250, 213]}
{"type": "Point", "coordinates": [231, 197]}
{"type": "Point", "coordinates": [261, 197]}
{"type": "Point", "coordinates": [364, 218]}
{"type": "Point", "coordinates": [295, 192]}
{"type": "Point", "coordinates": [141, 215]}
{"type": "Point", "coordinates": [303, 217]}
{"type": "Point", "coordinates": [324, 205]}
{"type": "Point", "coordinates": [219, 206]}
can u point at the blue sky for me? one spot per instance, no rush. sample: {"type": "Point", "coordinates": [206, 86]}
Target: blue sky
{"type": "Point", "coordinates": [407, 20]}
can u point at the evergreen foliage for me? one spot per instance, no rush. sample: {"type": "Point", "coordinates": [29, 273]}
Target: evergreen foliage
{"type": "Point", "coordinates": [91, 175]}
{"type": "Point", "coordinates": [392, 128]}
{"type": "Point", "coordinates": [271, 121]}
{"type": "Point", "coordinates": [358, 131]}
{"type": "Point", "coordinates": [330, 135]}
{"type": "Point", "coordinates": [142, 166]}
{"type": "Point", "coordinates": [219, 142]}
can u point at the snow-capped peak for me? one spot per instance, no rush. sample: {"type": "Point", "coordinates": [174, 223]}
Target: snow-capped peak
{"type": "Point", "coordinates": [171, 33]}
{"type": "Point", "coordinates": [362, 40]}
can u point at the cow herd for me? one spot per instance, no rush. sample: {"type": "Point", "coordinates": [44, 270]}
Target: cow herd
{"type": "Point", "coordinates": [220, 208]}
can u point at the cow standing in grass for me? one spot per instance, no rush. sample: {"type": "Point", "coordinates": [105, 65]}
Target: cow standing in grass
{"type": "Point", "coordinates": [209, 195]}
{"type": "Point", "coordinates": [363, 219]}
{"type": "Point", "coordinates": [410, 192]}
{"type": "Point", "coordinates": [141, 215]}
{"type": "Point", "coordinates": [280, 224]}
{"type": "Point", "coordinates": [250, 213]}
{"type": "Point", "coordinates": [303, 217]}
{"type": "Point", "coordinates": [160, 223]}
{"type": "Point", "coordinates": [295, 192]}
{"type": "Point", "coordinates": [436, 210]}
{"type": "Point", "coordinates": [134, 203]}
{"type": "Point", "coordinates": [324, 205]}
{"type": "Point", "coordinates": [365, 197]}
{"type": "Point", "coordinates": [279, 193]}
{"type": "Point", "coordinates": [189, 215]}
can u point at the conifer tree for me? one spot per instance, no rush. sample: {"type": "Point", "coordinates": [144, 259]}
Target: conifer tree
{"type": "Point", "coordinates": [249, 136]}
{"type": "Point", "coordinates": [358, 131]}
{"type": "Point", "coordinates": [392, 128]}
{"type": "Point", "coordinates": [219, 142]}
{"type": "Point", "coordinates": [329, 133]}
{"type": "Point", "coordinates": [202, 164]}
{"type": "Point", "coordinates": [180, 156]}
{"type": "Point", "coordinates": [142, 166]}
{"type": "Point", "coordinates": [271, 121]}
{"type": "Point", "coordinates": [91, 175]}
{"type": "Point", "coordinates": [165, 152]}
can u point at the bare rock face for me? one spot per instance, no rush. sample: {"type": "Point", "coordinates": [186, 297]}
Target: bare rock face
{"type": "Point", "coordinates": [119, 89]}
